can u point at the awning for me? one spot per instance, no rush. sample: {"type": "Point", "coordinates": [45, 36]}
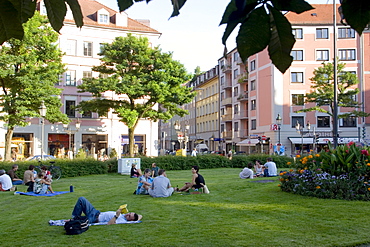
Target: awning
{"type": "Point", "coordinates": [248, 142]}
{"type": "Point", "coordinates": [299, 140]}
{"type": "Point", "coordinates": [322, 140]}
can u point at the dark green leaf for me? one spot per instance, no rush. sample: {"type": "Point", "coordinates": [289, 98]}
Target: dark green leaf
{"type": "Point", "coordinates": [124, 4]}
{"type": "Point", "coordinates": [25, 8]}
{"type": "Point", "coordinates": [177, 5]}
{"type": "Point", "coordinates": [10, 24]}
{"type": "Point", "coordinates": [282, 40]}
{"type": "Point", "coordinates": [56, 10]}
{"type": "Point", "coordinates": [254, 34]}
{"type": "Point", "coordinates": [76, 11]}
{"type": "Point", "coordinates": [297, 6]}
{"type": "Point", "coordinates": [356, 13]}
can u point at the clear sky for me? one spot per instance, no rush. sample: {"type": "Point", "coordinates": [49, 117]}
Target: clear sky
{"type": "Point", "coordinates": [194, 36]}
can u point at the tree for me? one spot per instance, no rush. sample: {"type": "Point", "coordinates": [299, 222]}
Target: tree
{"type": "Point", "coordinates": [29, 69]}
{"type": "Point", "coordinates": [262, 22]}
{"type": "Point", "coordinates": [323, 91]}
{"type": "Point", "coordinates": [140, 77]}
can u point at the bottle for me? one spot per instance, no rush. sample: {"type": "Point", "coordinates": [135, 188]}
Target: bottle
{"type": "Point", "coordinates": [71, 189]}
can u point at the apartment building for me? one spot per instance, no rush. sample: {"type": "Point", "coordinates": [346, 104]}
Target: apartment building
{"type": "Point", "coordinates": [269, 93]}
{"type": "Point", "coordinates": [96, 135]}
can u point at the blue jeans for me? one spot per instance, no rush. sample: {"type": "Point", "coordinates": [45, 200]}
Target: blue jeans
{"type": "Point", "coordinates": [18, 182]}
{"type": "Point", "coordinates": [84, 206]}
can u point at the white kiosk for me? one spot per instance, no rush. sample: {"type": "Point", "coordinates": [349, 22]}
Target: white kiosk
{"type": "Point", "coordinates": [124, 165]}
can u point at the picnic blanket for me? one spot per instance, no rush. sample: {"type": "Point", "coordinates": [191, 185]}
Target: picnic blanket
{"type": "Point", "coordinates": [62, 222]}
{"type": "Point", "coordinates": [34, 194]}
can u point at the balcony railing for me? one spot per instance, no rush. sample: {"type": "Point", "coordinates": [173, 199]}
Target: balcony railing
{"type": "Point", "coordinates": [226, 68]}
{"type": "Point", "coordinates": [227, 117]}
{"type": "Point", "coordinates": [227, 101]}
{"type": "Point", "coordinates": [227, 134]}
{"type": "Point", "coordinates": [226, 84]}
{"type": "Point", "coordinates": [243, 96]}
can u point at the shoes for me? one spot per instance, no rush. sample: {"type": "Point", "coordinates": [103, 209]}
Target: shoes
{"type": "Point", "coordinates": [13, 188]}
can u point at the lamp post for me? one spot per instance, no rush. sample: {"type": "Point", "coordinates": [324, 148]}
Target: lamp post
{"type": "Point", "coordinates": [278, 122]}
{"type": "Point", "coordinates": [173, 144]}
{"type": "Point", "coordinates": [301, 131]}
{"type": "Point", "coordinates": [182, 135]}
{"type": "Point", "coordinates": [42, 111]}
{"type": "Point", "coordinates": [70, 131]}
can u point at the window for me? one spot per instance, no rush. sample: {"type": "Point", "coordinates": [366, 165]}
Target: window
{"type": "Point", "coordinates": [70, 108]}
{"type": "Point", "coordinates": [87, 114]}
{"type": "Point", "coordinates": [298, 119]}
{"type": "Point", "coordinates": [297, 55]}
{"type": "Point", "coordinates": [236, 56]}
{"type": "Point", "coordinates": [101, 47]}
{"type": "Point", "coordinates": [253, 85]}
{"type": "Point", "coordinates": [88, 49]}
{"type": "Point", "coordinates": [222, 128]}
{"type": "Point", "coordinates": [322, 55]}
{"type": "Point", "coordinates": [297, 77]}
{"type": "Point", "coordinates": [103, 76]}
{"type": "Point", "coordinates": [345, 33]}
{"type": "Point", "coordinates": [323, 121]}
{"type": "Point", "coordinates": [222, 111]}
{"type": "Point", "coordinates": [322, 33]}
{"type": "Point", "coordinates": [298, 33]}
{"type": "Point", "coordinates": [348, 122]}
{"type": "Point", "coordinates": [86, 74]}
{"type": "Point", "coordinates": [71, 47]}
{"type": "Point", "coordinates": [222, 63]}
{"type": "Point", "coordinates": [347, 54]}
{"type": "Point", "coordinates": [103, 18]}
{"type": "Point", "coordinates": [297, 99]}
{"type": "Point", "coordinates": [236, 73]}
{"type": "Point", "coordinates": [253, 65]}
{"type": "Point", "coordinates": [236, 126]}
{"type": "Point", "coordinates": [236, 91]}
{"type": "Point", "coordinates": [222, 81]}
{"type": "Point", "coordinates": [253, 124]}
{"type": "Point", "coordinates": [253, 104]}
{"type": "Point", "coordinates": [222, 96]}
{"type": "Point", "coordinates": [236, 109]}
{"type": "Point", "coordinates": [70, 78]}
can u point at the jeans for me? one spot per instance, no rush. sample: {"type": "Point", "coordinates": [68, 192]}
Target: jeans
{"type": "Point", "coordinates": [84, 206]}
{"type": "Point", "coordinates": [18, 182]}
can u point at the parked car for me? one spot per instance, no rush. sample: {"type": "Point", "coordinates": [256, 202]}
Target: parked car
{"type": "Point", "coordinates": [38, 157]}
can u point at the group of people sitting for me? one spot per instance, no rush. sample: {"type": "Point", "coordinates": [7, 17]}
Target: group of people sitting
{"type": "Point", "coordinates": [154, 182]}
{"type": "Point", "coordinates": [268, 169]}
{"type": "Point", "coordinates": [39, 183]}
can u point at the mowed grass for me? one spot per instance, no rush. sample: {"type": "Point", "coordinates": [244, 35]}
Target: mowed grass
{"type": "Point", "coordinates": [236, 213]}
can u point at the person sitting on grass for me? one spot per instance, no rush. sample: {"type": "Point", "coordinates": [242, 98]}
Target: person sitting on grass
{"type": "Point", "coordinates": [270, 168]}
{"type": "Point", "coordinates": [15, 179]}
{"type": "Point", "coordinates": [47, 173]}
{"type": "Point", "coordinates": [29, 178]}
{"type": "Point", "coordinates": [144, 183]}
{"type": "Point", "coordinates": [247, 172]}
{"type": "Point", "coordinates": [155, 170]}
{"type": "Point", "coordinates": [135, 172]}
{"type": "Point", "coordinates": [5, 182]}
{"type": "Point", "coordinates": [95, 216]}
{"type": "Point", "coordinates": [161, 186]}
{"type": "Point", "coordinates": [258, 168]}
{"type": "Point", "coordinates": [197, 181]}
{"type": "Point", "coordinates": [41, 185]}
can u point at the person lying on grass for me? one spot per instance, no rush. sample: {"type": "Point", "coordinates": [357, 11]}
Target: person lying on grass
{"type": "Point", "coordinates": [196, 182]}
{"type": "Point", "coordinates": [95, 216]}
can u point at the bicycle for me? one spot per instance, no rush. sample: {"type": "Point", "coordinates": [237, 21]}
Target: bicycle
{"type": "Point", "coordinates": [55, 171]}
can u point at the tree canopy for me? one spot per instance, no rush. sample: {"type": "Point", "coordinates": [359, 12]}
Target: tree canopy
{"type": "Point", "coordinates": [262, 22]}
{"type": "Point", "coordinates": [147, 84]}
{"type": "Point", "coordinates": [322, 93]}
{"type": "Point", "coordinates": [29, 69]}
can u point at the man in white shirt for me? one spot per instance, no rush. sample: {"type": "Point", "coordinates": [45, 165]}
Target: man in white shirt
{"type": "Point", "coordinates": [5, 181]}
{"type": "Point", "coordinates": [95, 216]}
{"type": "Point", "coordinates": [247, 172]}
{"type": "Point", "coordinates": [270, 168]}
{"type": "Point", "coordinates": [161, 186]}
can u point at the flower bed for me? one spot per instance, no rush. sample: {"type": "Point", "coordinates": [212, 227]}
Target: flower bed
{"type": "Point", "coordinates": [341, 173]}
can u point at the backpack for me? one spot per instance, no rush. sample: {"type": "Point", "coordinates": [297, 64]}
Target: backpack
{"type": "Point", "coordinates": [77, 225]}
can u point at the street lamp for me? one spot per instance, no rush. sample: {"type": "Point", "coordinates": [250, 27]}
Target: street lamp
{"type": "Point", "coordinates": [278, 122]}
{"type": "Point", "coordinates": [42, 111]}
{"type": "Point", "coordinates": [70, 131]}
{"type": "Point", "coordinates": [181, 135]}
{"type": "Point", "coordinates": [301, 131]}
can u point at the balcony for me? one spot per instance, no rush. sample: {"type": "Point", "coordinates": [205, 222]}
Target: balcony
{"type": "Point", "coordinates": [243, 133]}
{"type": "Point", "coordinates": [243, 115]}
{"type": "Point", "coordinates": [243, 97]}
{"type": "Point", "coordinates": [243, 78]}
{"type": "Point", "coordinates": [226, 85]}
{"type": "Point", "coordinates": [227, 101]}
{"type": "Point", "coordinates": [226, 117]}
{"type": "Point", "coordinates": [226, 68]}
{"type": "Point", "coordinates": [227, 135]}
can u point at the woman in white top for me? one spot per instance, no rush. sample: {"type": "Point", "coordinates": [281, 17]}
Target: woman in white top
{"type": "Point", "coordinates": [258, 167]}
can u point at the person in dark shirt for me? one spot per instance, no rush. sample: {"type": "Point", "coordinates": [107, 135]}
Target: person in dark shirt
{"type": "Point", "coordinates": [196, 182]}
{"type": "Point", "coordinates": [155, 170]}
{"type": "Point", "coordinates": [135, 172]}
{"type": "Point", "coordinates": [15, 179]}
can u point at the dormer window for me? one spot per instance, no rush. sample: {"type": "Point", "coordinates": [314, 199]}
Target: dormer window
{"type": "Point", "coordinates": [103, 18]}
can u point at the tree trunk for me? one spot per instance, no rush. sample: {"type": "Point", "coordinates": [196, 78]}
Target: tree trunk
{"type": "Point", "coordinates": [8, 144]}
{"type": "Point", "coordinates": [131, 141]}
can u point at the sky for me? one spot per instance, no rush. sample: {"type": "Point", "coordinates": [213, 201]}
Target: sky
{"type": "Point", "coordinates": [194, 36]}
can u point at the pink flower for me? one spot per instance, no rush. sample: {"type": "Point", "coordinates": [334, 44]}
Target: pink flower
{"type": "Point", "coordinates": [350, 144]}
{"type": "Point", "coordinates": [347, 151]}
{"type": "Point", "coordinates": [365, 152]}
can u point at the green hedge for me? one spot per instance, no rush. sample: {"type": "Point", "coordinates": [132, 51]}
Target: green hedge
{"type": "Point", "coordinates": [83, 167]}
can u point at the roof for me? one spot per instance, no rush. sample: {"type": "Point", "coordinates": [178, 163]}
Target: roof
{"type": "Point", "coordinates": [89, 9]}
{"type": "Point", "coordinates": [321, 14]}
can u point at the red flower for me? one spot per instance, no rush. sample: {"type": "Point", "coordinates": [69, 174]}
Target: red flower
{"type": "Point", "coordinates": [347, 151]}
{"type": "Point", "coordinates": [365, 152]}
{"type": "Point", "coordinates": [350, 143]}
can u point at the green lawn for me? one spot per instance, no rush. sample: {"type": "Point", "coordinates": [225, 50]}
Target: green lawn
{"type": "Point", "coordinates": [236, 213]}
